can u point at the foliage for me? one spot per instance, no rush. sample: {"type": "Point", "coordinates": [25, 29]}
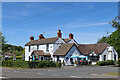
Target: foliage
{"type": "Point", "coordinates": [17, 58]}
{"type": "Point", "coordinates": [9, 48]}
{"type": "Point", "coordinates": [15, 64]}
{"type": "Point", "coordinates": [30, 64]}
{"type": "Point", "coordinates": [2, 39]}
{"type": "Point", "coordinates": [114, 38]}
{"type": "Point", "coordinates": [103, 63]}
{"type": "Point", "coordinates": [118, 62]}
{"type": "Point", "coordinates": [103, 40]}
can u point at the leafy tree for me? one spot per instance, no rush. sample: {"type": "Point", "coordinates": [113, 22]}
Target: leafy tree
{"type": "Point", "coordinates": [103, 40]}
{"type": "Point", "coordinates": [114, 38]}
{"type": "Point", "coordinates": [2, 39]}
{"type": "Point", "coordinates": [9, 48]}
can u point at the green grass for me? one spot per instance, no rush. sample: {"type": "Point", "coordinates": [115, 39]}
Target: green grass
{"type": "Point", "coordinates": [115, 74]}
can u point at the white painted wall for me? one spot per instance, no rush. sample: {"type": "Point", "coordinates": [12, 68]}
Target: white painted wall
{"type": "Point", "coordinates": [27, 53]}
{"type": "Point", "coordinates": [73, 51]}
{"type": "Point", "coordinates": [109, 54]}
{"type": "Point", "coordinates": [52, 48]}
{"type": "Point", "coordinates": [60, 58]}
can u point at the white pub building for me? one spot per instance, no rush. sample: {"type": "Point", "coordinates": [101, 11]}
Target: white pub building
{"type": "Point", "coordinates": [59, 49]}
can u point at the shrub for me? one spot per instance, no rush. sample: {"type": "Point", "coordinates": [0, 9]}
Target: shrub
{"type": "Point", "coordinates": [100, 63]}
{"type": "Point", "coordinates": [118, 62]}
{"type": "Point", "coordinates": [30, 64]}
{"type": "Point", "coordinates": [15, 64]}
{"type": "Point", "coordinates": [103, 63]}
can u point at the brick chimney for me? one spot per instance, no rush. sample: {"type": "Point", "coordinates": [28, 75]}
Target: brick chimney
{"type": "Point", "coordinates": [41, 36]}
{"type": "Point", "coordinates": [71, 36]}
{"type": "Point", "coordinates": [31, 38]}
{"type": "Point", "coordinates": [59, 34]}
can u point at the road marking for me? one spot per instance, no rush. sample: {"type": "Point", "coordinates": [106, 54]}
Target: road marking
{"type": "Point", "coordinates": [73, 76]}
{"type": "Point", "coordinates": [49, 70]}
{"type": "Point", "coordinates": [94, 74]}
{"type": "Point", "coordinates": [15, 71]}
{"type": "Point", "coordinates": [79, 77]}
{"type": "Point", "coordinates": [39, 73]}
{"type": "Point", "coordinates": [2, 77]}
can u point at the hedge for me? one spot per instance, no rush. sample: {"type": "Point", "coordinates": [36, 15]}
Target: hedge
{"type": "Point", "coordinates": [30, 64]}
{"type": "Point", "coordinates": [103, 63]}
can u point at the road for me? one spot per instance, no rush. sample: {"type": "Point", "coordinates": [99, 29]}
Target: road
{"type": "Point", "coordinates": [66, 72]}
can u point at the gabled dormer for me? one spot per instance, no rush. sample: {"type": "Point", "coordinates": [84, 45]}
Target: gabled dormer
{"type": "Point", "coordinates": [70, 39]}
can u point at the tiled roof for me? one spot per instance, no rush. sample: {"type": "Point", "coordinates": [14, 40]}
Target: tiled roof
{"type": "Point", "coordinates": [66, 40]}
{"type": "Point", "coordinates": [63, 49]}
{"type": "Point", "coordinates": [42, 41]}
{"type": "Point", "coordinates": [87, 49]}
{"type": "Point", "coordinates": [41, 53]}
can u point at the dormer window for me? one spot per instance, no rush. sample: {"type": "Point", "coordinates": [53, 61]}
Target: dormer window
{"type": "Point", "coordinates": [47, 48]}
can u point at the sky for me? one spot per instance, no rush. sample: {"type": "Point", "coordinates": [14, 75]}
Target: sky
{"type": "Point", "coordinates": [88, 21]}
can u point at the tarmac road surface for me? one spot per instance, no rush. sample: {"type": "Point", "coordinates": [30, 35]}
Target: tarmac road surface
{"type": "Point", "coordinates": [65, 72]}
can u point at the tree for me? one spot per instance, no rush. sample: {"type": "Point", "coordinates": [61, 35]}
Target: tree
{"type": "Point", "coordinates": [103, 40]}
{"type": "Point", "coordinates": [8, 47]}
{"type": "Point", "coordinates": [2, 39]}
{"type": "Point", "coordinates": [114, 38]}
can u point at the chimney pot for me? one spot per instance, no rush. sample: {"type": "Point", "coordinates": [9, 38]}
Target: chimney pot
{"type": "Point", "coordinates": [71, 36]}
{"type": "Point", "coordinates": [41, 36]}
{"type": "Point", "coordinates": [59, 34]}
{"type": "Point", "coordinates": [31, 38]}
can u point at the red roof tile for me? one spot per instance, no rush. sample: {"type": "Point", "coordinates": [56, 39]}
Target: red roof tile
{"type": "Point", "coordinates": [87, 49]}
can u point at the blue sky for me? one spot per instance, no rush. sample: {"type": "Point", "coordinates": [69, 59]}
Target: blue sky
{"type": "Point", "coordinates": [87, 21]}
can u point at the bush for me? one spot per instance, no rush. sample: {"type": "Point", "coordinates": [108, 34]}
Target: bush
{"type": "Point", "coordinates": [30, 64]}
{"type": "Point", "coordinates": [15, 64]}
{"type": "Point", "coordinates": [118, 62]}
{"type": "Point", "coordinates": [103, 63]}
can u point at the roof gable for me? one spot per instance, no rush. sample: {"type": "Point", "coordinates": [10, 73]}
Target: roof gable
{"type": "Point", "coordinates": [66, 40]}
{"type": "Point", "coordinates": [64, 49]}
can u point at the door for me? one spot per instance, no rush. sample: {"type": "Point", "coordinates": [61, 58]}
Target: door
{"type": "Point", "coordinates": [104, 57]}
{"type": "Point", "coordinates": [57, 58]}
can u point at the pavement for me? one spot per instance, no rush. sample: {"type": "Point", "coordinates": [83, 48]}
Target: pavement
{"type": "Point", "coordinates": [65, 72]}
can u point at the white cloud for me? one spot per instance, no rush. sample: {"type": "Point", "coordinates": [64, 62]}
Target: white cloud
{"type": "Point", "coordinates": [98, 24]}
{"type": "Point", "coordinates": [77, 25]}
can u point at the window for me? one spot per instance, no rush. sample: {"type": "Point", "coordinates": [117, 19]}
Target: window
{"type": "Point", "coordinates": [57, 58]}
{"type": "Point", "coordinates": [37, 47]}
{"type": "Point", "coordinates": [29, 49]}
{"type": "Point", "coordinates": [115, 57]}
{"type": "Point", "coordinates": [41, 58]}
{"type": "Point", "coordinates": [71, 60]}
{"type": "Point", "coordinates": [104, 57]}
{"type": "Point", "coordinates": [47, 48]}
{"type": "Point", "coordinates": [67, 58]}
